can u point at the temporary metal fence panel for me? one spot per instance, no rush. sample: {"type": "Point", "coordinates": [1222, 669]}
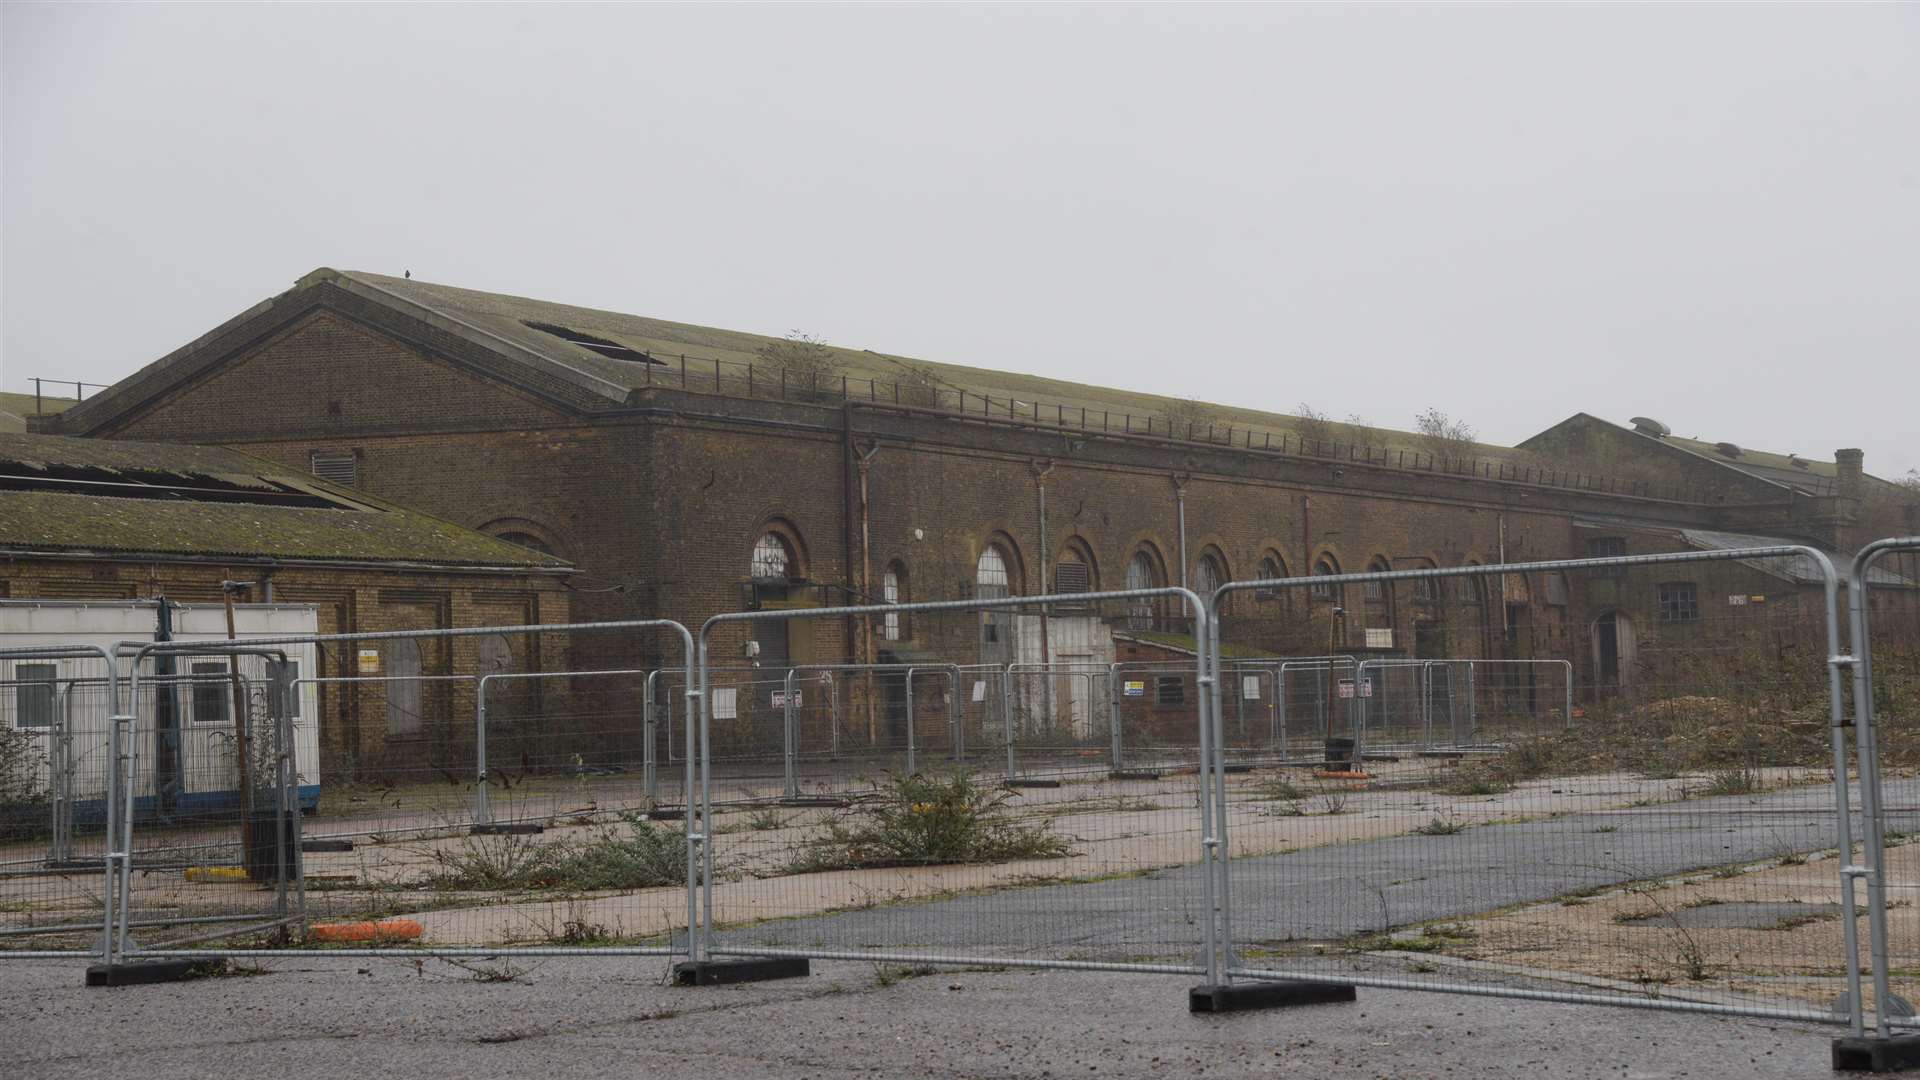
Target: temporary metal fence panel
{"type": "Point", "coordinates": [1155, 709]}
{"type": "Point", "coordinates": [210, 794]}
{"type": "Point", "coordinates": [569, 858]}
{"type": "Point", "coordinates": [955, 865]}
{"type": "Point", "coordinates": [1883, 594]}
{"type": "Point", "coordinates": [56, 706]}
{"type": "Point", "coordinates": [1054, 719]}
{"type": "Point", "coordinates": [557, 744]}
{"type": "Point", "coordinates": [1684, 845]}
{"type": "Point", "coordinates": [1311, 710]}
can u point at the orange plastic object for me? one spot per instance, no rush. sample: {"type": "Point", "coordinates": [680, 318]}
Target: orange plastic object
{"type": "Point", "coordinates": [385, 930]}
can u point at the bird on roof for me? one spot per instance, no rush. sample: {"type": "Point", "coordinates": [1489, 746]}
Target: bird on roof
{"type": "Point", "coordinates": [408, 274]}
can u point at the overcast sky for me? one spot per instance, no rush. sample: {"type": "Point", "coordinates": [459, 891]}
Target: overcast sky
{"type": "Point", "coordinates": [1709, 215]}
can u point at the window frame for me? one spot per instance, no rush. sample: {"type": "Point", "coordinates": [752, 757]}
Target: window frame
{"type": "Point", "coordinates": [34, 693]}
{"type": "Point", "coordinates": [1682, 606]}
{"type": "Point", "coordinates": [1595, 546]}
{"type": "Point", "coordinates": [208, 682]}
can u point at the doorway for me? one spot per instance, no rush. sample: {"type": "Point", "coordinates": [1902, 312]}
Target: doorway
{"type": "Point", "coordinates": [1613, 653]}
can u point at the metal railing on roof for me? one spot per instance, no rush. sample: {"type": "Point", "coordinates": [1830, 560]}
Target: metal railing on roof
{"type": "Point", "coordinates": [733, 378]}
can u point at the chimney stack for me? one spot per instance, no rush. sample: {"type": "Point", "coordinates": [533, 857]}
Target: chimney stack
{"type": "Point", "coordinates": [1849, 469]}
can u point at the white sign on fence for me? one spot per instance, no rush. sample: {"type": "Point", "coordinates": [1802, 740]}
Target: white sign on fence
{"type": "Point", "coordinates": [979, 689]}
{"type": "Point", "coordinates": [1250, 687]}
{"type": "Point", "coordinates": [780, 699]}
{"type": "Point", "coordinates": [726, 704]}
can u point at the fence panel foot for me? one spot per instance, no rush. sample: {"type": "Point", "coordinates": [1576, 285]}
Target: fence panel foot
{"type": "Point", "coordinates": [1245, 996]}
{"type": "Point", "coordinates": [143, 972]}
{"type": "Point", "coordinates": [746, 969]}
{"type": "Point", "coordinates": [1868, 1054]}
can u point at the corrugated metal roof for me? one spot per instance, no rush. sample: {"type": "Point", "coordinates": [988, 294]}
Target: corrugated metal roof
{"type": "Point", "coordinates": [1787, 568]}
{"type": "Point", "coordinates": [77, 495]}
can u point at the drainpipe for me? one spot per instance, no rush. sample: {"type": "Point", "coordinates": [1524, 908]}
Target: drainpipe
{"type": "Point", "coordinates": [1506, 623]}
{"type": "Point", "coordinates": [863, 464]}
{"type": "Point", "coordinates": [1180, 502]}
{"type": "Point", "coordinates": [1041, 469]}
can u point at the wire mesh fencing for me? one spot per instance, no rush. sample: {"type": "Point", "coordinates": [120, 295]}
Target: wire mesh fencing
{"type": "Point", "coordinates": [1030, 852]}
{"type": "Point", "coordinates": [1679, 840]}
{"type": "Point", "coordinates": [56, 777]}
{"type": "Point", "coordinates": [1884, 612]}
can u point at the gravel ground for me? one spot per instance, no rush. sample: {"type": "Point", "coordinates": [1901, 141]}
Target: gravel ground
{"type": "Point", "coordinates": [590, 1017]}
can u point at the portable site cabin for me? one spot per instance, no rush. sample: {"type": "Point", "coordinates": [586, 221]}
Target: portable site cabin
{"type": "Point", "coordinates": [185, 748]}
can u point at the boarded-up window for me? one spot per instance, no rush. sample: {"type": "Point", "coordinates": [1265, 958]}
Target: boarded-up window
{"type": "Point", "coordinates": [33, 696]}
{"type": "Point", "coordinates": [337, 466]}
{"type": "Point", "coordinates": [496, 655]}
{"type": "Point", "coordinates": [404, 692]}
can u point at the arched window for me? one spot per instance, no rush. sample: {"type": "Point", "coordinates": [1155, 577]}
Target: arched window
{"type": "Point", "coordinates": [772, 558]}
{"type": "Point", "coordinates": [1209, 573]}
{"type": "Point", "coordinates": [991, 581]}
{"type": "Point", "coordinates": [1272, 568]}
{"type": "Point", "coordinates": [1143, 572]}
{"type": "Point", "coordinates": [1326, 567]}
{"type": "Point", "coordinates": [893, 590]}
{"type": "Point", "coordinates": [990, 574]}
{"type": "Point", "coordinates": [1379, 596]}
{"type": "Point", "coordinates": [526, 540]}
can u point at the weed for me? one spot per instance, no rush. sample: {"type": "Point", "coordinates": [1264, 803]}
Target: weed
{"type": "Point", "coordinates": [644, 856]}
{"type": "Point", "coordinates": [1440, 826]}
{"type": "Point", "coordinates": [1285, 809]}
{"type": "Point", "coordinates": [1278, 788]}
{"type": "Point", "coordinates": [888, 974]}
{"type": "Point", "coordinates": [1607, 828]}
{"type": "Point", "coordinates": [1475, 784]}
{"type": "Point", "coordinates": [921, 821]}
{"type": "Point", "coordinates": [1733, 782]}
{"type": "Point", "coordinates": [1333, 802]}
{"type": "Point", "coordinates": [766, 819]}
{"type": "Point", "coordinates": [482, 972]}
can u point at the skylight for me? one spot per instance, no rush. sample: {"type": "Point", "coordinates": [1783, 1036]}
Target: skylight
{"type": "Point", "coordinates": [160, 484]}
{"type": "Point", "coordinates": [612, 350]}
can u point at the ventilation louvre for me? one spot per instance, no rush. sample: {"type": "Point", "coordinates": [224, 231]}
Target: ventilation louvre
{"type": "Point", "coordinates": [337, 467]}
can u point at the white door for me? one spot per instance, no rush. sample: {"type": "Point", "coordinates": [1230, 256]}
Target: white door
{"type": "Point", "coordinates": [1075, 696]}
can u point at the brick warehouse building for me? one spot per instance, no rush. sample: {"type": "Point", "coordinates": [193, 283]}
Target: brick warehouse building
{"type": "Point", "coordinates": [688, 471]}
{"type": "Point", "coordinates": [99, 520]}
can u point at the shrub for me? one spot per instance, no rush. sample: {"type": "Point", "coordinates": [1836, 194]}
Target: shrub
{"type": "Point", "coordinates": [922, 821]}
{"type": "Point", "coordinates": [644, 856]}
{"type": "Point", "coordinates": [23, 801]}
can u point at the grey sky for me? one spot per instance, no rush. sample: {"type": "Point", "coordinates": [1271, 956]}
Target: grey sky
{"type": "Point", "coordinates": [1704, 214]}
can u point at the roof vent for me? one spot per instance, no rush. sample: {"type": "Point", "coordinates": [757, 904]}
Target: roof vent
{"type": "Point", "coordinates": [1649, 426]}
{"type": "Point", "coordinates": [1797, 461]}
{"type": "Point", "coordinates": [1727, 449]}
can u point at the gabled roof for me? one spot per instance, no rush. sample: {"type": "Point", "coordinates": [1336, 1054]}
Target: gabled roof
{"type": "Point", "coordinates": [121, 499]}
{"type": "Point", "coordinates": [508, 327]}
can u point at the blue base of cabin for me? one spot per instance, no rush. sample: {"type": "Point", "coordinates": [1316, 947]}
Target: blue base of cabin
{"type": "Point", "coordinates": [194, 804]}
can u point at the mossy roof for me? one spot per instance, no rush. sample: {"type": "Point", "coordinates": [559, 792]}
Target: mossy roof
{"type": "Point", "coordinates": [355, 528]}
{"type": "Point", "coordinates": [506, 318]}
{"type": "Point", "coordinates": [25, 405]}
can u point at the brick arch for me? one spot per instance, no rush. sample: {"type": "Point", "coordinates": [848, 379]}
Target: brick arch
{"type": "Point", "coordinates": [1010, 553]}
{"type": "Point", "coordinates": [796, 543]}
{"type": "Point", "coordinates": [546, 539]}
{"type": "Point", "coordinates": [1082, 550]}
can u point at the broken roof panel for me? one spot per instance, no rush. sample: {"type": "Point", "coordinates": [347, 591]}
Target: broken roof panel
{"type": "Point", "coordinates": [129, 498]}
